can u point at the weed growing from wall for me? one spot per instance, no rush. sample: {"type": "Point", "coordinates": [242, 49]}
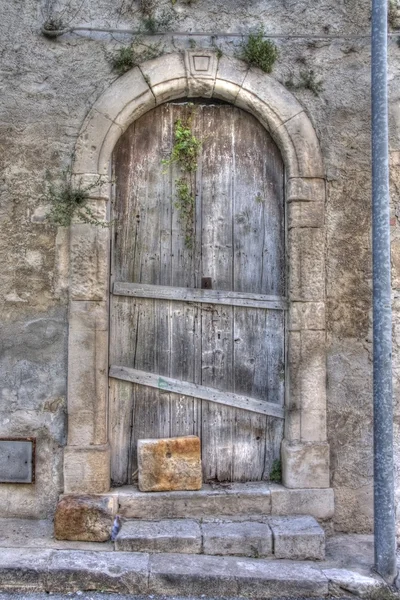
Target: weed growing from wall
{"type": "Point", "coordinates": [276, 472]}
{"type": "Point", "coordinates": [307, 81]}
{"type": "Point", "coordinates": [127, 57]}
{"type": "Point", "coordinates": [259, 52]}
{"type": "Point", "coordinates": [184, 154]}
{"type": "Point", "coordinates": [393, 14]}
{"type": "Point", "coordinates": [68, 202]}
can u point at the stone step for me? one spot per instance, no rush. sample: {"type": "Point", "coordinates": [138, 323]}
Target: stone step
{"type": "Point", "coordinates": [299, 538]}
{"type": "Point", "coordinates": [236, 499]}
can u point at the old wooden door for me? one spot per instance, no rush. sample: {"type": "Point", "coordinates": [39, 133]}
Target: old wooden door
{"type": "Point", "coordinates": [175, 346]}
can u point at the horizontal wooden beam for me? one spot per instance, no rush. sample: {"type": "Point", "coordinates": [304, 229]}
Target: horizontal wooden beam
{"type": "Point", "coordinates": [197, 391]}
{"type": "Point", "coordinates": [164, 292]}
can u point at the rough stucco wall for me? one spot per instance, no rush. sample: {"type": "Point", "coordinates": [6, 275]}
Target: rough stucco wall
{"type": "Point", "coordinates": [48, 87]}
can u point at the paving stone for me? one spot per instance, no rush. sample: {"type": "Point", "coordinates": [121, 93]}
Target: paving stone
{"type": "Point", "coordinates": [297, 538]}
{"type": "Point", "coordinates": [122, 572]}
{"type": "Point", "coordinates": [179, 574]}
{"type": "Point", "coordinates": [23, 568]}
{"type": "Point", "coordinates": [236, 499]}
{"type": "Point", "coordinates": [342, 580]}
{"type": "Point", "coordinates": [238, 539]}
{"type": "Point", "coordinates": [84, 518]}
{"type": "Point", "coordinates": [169, 464]}
{"type": "Point", "coordinates": [173, 535]}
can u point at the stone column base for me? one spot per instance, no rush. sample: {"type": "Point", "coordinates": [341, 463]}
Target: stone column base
{"type": "Point", "coordinates": [87, 470]}
{"type": "Point", "coordinates": [305, 464]}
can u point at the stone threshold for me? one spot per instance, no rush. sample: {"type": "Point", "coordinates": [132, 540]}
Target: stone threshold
{"type": "Point", "coordinates": [258, 498]}
{"type": "Point", "coordinates": [52, 571]}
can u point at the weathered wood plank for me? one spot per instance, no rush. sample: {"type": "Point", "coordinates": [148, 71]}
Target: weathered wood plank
{"type": "Point", "coordinates": [194, 390]}
{"type": "Point", "coordinates": [161, 292]}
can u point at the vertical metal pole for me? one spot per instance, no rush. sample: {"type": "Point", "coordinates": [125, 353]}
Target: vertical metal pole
{"type": "Point", "coordinates": [384, 515]}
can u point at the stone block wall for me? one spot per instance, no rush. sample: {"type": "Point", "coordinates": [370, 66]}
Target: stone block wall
{"type": "Point", "coordinates": [48, 87]}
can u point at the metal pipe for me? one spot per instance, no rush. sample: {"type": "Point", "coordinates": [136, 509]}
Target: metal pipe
{"type": "Point", "coordinates": [384, 513]}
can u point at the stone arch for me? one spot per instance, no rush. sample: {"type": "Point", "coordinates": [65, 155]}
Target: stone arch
{"type": "Point", "coordinates": [199, 73]}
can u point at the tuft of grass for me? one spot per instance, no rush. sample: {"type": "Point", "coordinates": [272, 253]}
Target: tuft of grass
{"type": "Point", "coordinates": [275, 475]}
{"type": "Point", "coordinates": [259, 52]}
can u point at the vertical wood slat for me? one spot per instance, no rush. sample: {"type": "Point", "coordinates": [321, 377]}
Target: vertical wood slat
{"type": "Point", "coordinates": [234, 229]}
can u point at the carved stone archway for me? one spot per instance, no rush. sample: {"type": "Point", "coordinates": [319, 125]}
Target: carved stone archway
{"type": "Point", "coordinates": [199, 73]}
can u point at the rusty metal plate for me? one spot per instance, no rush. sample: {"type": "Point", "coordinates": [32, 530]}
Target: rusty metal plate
{"type": "Point", "coordinates": [17, 460]}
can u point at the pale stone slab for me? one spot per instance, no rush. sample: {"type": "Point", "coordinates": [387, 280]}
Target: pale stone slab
{"type": "Point", "coordinates": [172, 535]}
{"type": "Point", "coordinates": [89, 247]}
{"type": "Point", "coordinates": [276, 96]}
{"type": "Point", "coordinates": [305, 465]}
{"type": "Point", "coordinates": [122, 572]}
{"type": "Point", "coordinates": [307, 374]}
{"type": "Point", "coordinates": [342, 580]}
{"type": "Point", "coordinates": [84, 518]}
{"type": "Point", "coordinates": [306, 214]}
{"type": "Point", "coordinates": [116, 97]}
{"type": "Point", "coordinates": [175, 574]}
{"type": "Point", "coordinates": [169, 464]}
{"type": "Point", "coordinates": [166, 76]}
{"type": "Point", "coordinates": [306, 315]}
{"type": "Point", "coordinates": [307, 264]}
{"type": "Point", "coordinates": [297, 538]}
{"type": "Point", "coordinates": [201, 68]}
{"type": "Point", "coordinates": [24, 569]}
{"type": "Point", "coordinates": [87, 373]}
{"type": "Point", "coordinates": [246, 538]}
{"type": "Point", "coordinates": [304, 140]}
{"type": "Point", "coordinates": [90, 140]}
{"type": "Point", "coordinates": [306, 190]}
{"type": "Point", "coordinates": [86, 470]}
{"type": "Point", "coordinates": [318, 503]}
{"type": "Point", "coordinates": [238, 499]}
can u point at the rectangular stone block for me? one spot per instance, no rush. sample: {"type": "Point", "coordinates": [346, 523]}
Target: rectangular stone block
{"type": "Point", "coordinates": [306, 391]}
{"type": "Point", "coordinates": [307, 264]}
{"type": "Point", "coordinates": [86, 470]}
{"type": "Point", "coordinates": [120, 572]}
{"type": "Point", "coordinates": [306, 202]}
{"type": "Point", "coordinates": [194, 575]}
{"type": "Point", "coordinates": [305, 214]}
{"type": "Point", "coordinates": [89, 256]}
{"type": "Point", "coordinates": [318, 503]}
{"type": "Point", "coordinates": [172, 535]}
{"type": "Point", "coordinates": [246, 538]}
{"type": "Point", "coordinates": [305, 190]}
{"type": "Point", "coordinates": [305, 465]}
{"type": "Point", "coordinates": [238, 499]}
{"type": "Point", "coordinates": [169, 464]}
{"type": "Point", "coordinates": [297, 538]}
{"type": "Point", "coordinates": [313, 426]}
{"type": "Point", "coordinates": [84, 518]}
{"type": "Point", "coordinates": [306, 316]}
{"type": "Point", "coordinates": [24, 569]}
{"type": "Point", "coordinates": [87, 373]}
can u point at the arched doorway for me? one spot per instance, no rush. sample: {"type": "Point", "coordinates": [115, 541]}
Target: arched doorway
{"type": "Point", "coordinates": [304, 450]}
{"type": "Point", "coordinates": [198, 293]}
